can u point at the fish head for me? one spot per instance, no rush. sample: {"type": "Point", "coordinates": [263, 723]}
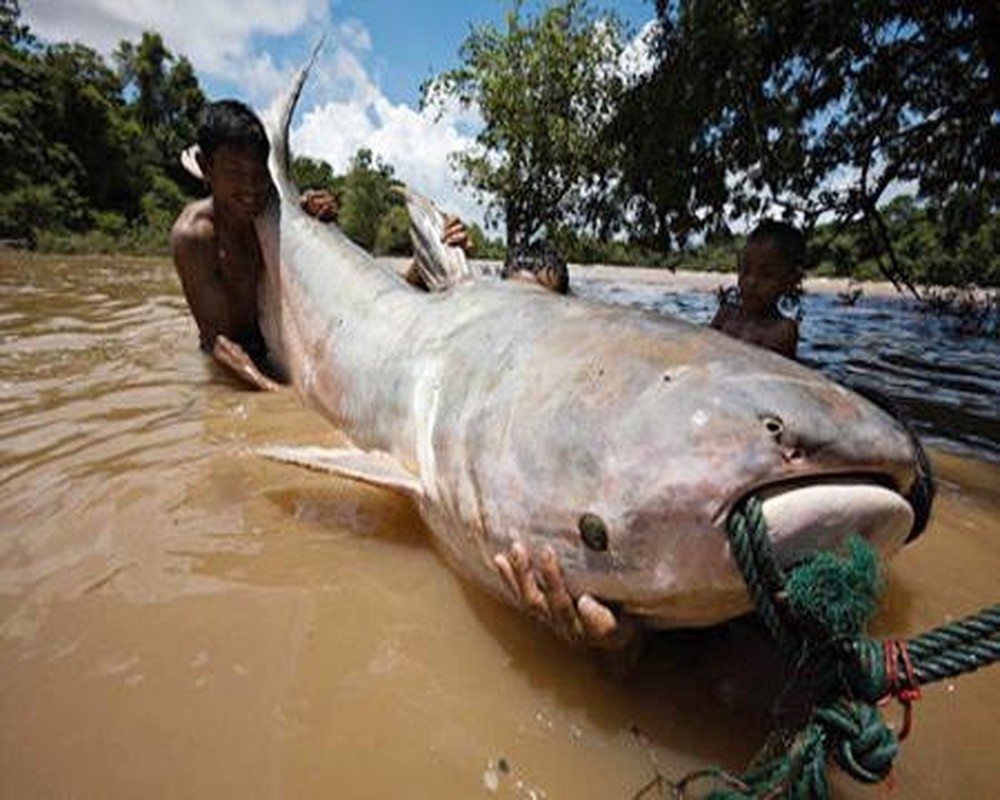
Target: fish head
{"type": "Point", "coordinates": [655, 467]}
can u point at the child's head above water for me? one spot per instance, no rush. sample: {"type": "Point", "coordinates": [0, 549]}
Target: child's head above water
{"type": "Point", "coordinates": [233, 157]}
{"type": "Point", "coordinates": [230, 122]}
{"type": "Point", "coordinates": [771, 265]}
{"type": "Point", "coordinates": [542, 261]}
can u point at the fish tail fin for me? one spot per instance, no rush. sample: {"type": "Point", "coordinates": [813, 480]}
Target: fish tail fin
{"type": "Point", "coordinates": [441, 266]}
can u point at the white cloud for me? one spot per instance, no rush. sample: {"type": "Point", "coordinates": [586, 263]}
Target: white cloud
{"type": "Point", "coordinates": [637, 59]}
{"type": "Point", "coordinates": [416, 143]}
{"type": "Point", "coordinates": [355, 35]}
{"type": "Point", "coordinates": [214, 35]}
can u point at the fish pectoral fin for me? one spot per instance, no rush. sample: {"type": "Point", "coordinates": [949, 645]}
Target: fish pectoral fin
{"type": "Point", "coordinates": [374, 467]}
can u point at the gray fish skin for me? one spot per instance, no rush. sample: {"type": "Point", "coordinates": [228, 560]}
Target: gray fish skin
{"type": "Point", "coordinates": [507, 412]}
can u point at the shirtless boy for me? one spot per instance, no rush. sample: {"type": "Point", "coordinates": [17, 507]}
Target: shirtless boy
{"type": "Point", "coordinates": [215, 245]}
{"type": "Point", "coordinates": [771, 266]}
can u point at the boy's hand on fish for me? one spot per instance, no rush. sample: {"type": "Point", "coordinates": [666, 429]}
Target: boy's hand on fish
{"type": "Point", "coordinates": [541, 590]}
{"type": "Point", "coordinates": [455, 233]}
{"type": "Point", "coordinates": [231, 355]}
{"type": "Point", "coordinates": [321, 204]}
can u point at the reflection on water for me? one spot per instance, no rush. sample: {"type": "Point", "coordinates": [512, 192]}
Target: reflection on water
{"type": "Point", "coordinates": [181, 618]}
{"type": "Point", "coordinates": [945, 383]}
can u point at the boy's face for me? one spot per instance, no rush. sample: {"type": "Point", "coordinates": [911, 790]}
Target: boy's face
{"type": "Point", "coordinates": [765, 276]}
{"type": "Point", "coordinates": [239, 180]}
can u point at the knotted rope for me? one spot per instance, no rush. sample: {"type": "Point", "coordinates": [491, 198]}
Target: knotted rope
{"type": "Point", "coordinates": [816, 612]}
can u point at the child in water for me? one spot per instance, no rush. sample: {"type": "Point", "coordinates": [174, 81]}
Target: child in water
{"type": "Point", "coordinates": [771, 267]}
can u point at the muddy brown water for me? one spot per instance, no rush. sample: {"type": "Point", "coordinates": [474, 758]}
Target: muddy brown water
{"type": "Point", "coordinates": [179, 618]}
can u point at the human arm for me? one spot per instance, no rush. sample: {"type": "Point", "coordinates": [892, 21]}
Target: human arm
{"type": "Point", "coordinates": [726, 308]}
{"type": "Point", "coordinates": [456, 234]}
{"type": "Point", "coordinates": [538, 586]}
{"type": "Point", "coordinates": [235, 358]}
{"type": "Point", "coordinates": [193, 245]}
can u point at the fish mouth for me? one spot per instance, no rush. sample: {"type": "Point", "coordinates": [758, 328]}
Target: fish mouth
{"type": "Point", "coordinates": [804, 516]}
{"type": "Point", "coordinates": [808, 515]}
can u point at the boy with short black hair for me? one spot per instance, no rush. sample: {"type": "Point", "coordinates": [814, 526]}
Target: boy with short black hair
{"type": "Point", "coordinates": [540, 262]}
{"type": "Point", "coordinates": [214, 242]}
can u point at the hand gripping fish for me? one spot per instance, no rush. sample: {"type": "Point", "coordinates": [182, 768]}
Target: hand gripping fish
{"type": "Point", "coordinates": [620, 439]}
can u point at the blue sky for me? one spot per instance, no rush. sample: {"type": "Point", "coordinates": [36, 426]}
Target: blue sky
{"type": "Point", "coordinates": [365, 89]}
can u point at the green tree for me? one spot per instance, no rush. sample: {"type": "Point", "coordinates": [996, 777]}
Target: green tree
{"type": "Point", "coordinates": [74, 155]}
{"type": "Point", "coordinates": [545, 87]}
{"type": "Point", "coordinates": [820, 107]}
{"type": "Point", "coordinates": [313, 173]}
{"type": "Point", "coordinates": [393, 235]}
{"type": "Point", "coordinates": [166, 99]}
{"type": "Point", "coordinates": [41, 177]}
{"type": "Point", "coordinates": [366, 197]}
{"type": "Point", "coordinates": [482, 247]}
{"type": "Point", "coordinates": [88, 114]}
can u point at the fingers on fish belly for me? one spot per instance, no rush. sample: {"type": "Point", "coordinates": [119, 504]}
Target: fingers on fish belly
{"type": "Point", "coordinates": [540, 589]}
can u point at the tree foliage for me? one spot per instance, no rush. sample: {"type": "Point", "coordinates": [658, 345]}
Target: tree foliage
{"type": "Point", "coordinates": [820, 107]}
{"type": "Point", "coordinates": [314, 173]}
{"type": "Point", "coordinates": [366, 198]}
{"type": "Point", "coordinates": [545, 87]}
{"type": "Point", "coordinates": [77, 151]}
{"type": "Point", "coordinates": [166, 98]}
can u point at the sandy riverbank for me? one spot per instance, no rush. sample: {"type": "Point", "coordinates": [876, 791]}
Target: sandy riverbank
{"type": "Point", "coordinates": [686, 280]}
{"type": "Point", "coordinates": [689, 281]}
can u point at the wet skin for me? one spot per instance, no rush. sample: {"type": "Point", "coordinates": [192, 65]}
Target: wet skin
{"type": "Point", "coordinates": [218, 260]}
{"type": "Point", "coordinates": [764, 277]}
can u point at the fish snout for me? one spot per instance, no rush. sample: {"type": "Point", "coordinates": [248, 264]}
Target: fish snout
{"type": "Point", "coordinates": [922, 488]}
{"type": "Point", "coordinates": [873, 445]}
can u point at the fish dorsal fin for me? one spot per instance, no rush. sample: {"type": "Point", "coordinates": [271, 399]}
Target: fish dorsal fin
{"type": "Point", "coordinates": [441, 266]}
{"type": "Point", "coordinates": [374, 467]}
{"type": "Point", "coordinates": [277, 120]}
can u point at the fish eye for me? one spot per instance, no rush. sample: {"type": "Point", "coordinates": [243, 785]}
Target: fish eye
{"type": "Point", "coordinates": [593, 531]}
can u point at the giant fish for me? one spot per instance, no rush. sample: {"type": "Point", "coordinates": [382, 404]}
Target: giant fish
{"type": "Point", "coordinates": [619, 439]}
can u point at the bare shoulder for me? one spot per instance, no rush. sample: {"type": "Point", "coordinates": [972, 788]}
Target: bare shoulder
{"type": "Point", "coordinates": [194, 228]}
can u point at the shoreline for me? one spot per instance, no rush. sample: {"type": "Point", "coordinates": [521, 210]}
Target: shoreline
{"type": "Point", "coordinates": [685, 280]}
{"type": "Point", "coordinates": [709, 282]}
{"type": "Point", "coordinates": [679, 280]}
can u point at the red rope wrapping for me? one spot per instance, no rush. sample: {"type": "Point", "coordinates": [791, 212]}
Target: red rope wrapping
{"type": "Point", "coordinates": [902, 684]}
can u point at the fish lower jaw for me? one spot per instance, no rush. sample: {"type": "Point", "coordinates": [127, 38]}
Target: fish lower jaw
{"type": "Point", "coordinates": [803, 519]}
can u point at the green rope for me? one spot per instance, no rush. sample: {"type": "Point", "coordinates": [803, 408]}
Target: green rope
{"type": "Point", "coordinates": [945, 652]}
{"type": "Point", "coordinates": [763, 577]}
{"type": "Point", "coordinates": [816, 613]}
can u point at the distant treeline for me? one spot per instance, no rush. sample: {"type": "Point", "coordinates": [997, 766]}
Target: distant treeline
{"type": "Point", "coordinates": [957, 245]}
{"type": "Point", "coordinates": [89, 162]}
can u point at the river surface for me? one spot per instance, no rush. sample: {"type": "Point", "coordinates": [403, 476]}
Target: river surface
{"type": "Point", "coordinates": [180, 618]}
